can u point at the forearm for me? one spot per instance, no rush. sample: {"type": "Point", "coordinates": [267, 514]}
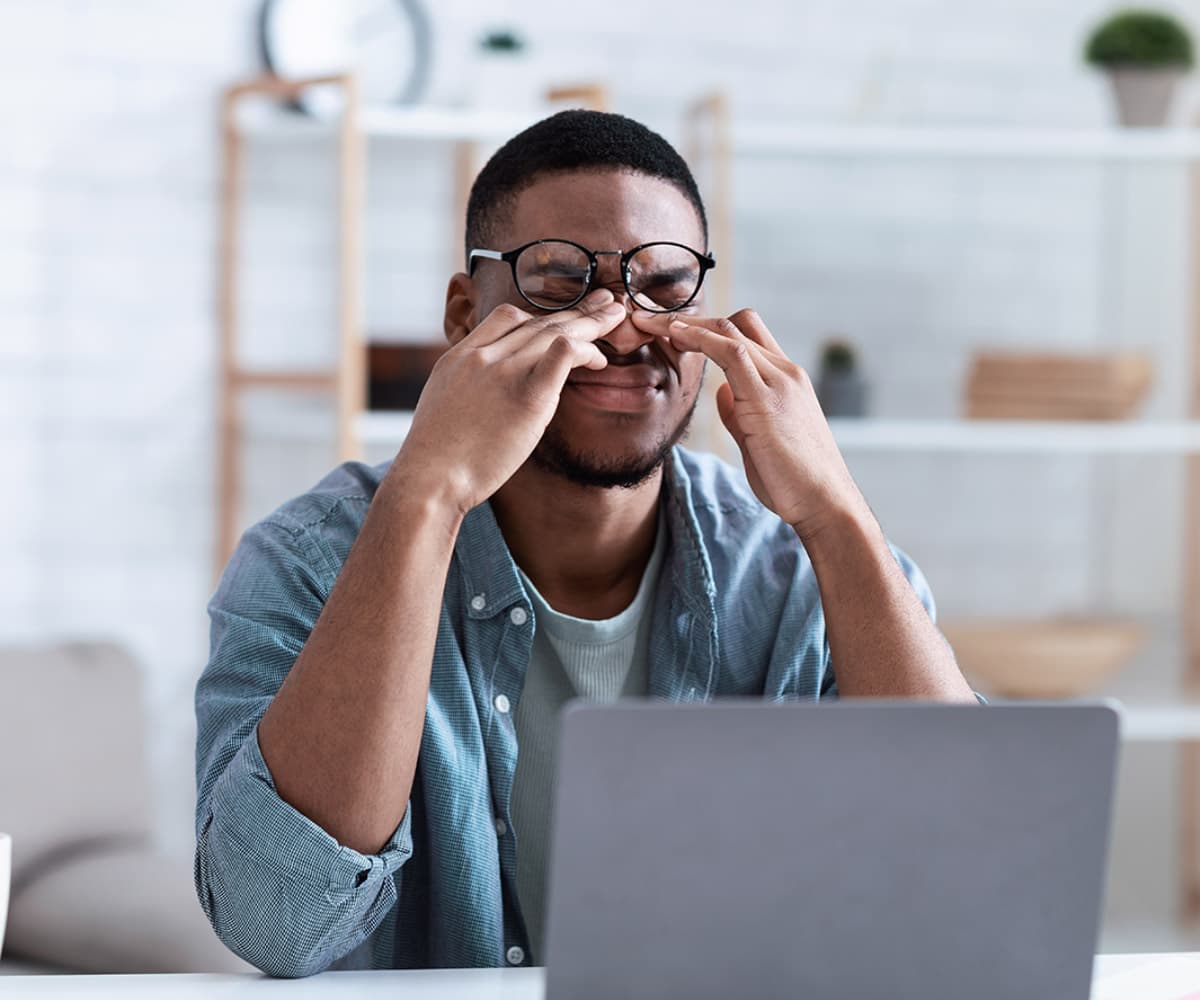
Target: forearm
{"type": "Point", "coordinates": [881, 639]}
{"type": "Point", "coordinates": [342, 735]}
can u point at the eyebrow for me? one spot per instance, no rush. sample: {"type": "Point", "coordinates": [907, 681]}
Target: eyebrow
{"type": "Point", "coordinates": [672, 275]}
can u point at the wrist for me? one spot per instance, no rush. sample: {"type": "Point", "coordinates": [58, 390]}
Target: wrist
{"type": "Point", "coordinates": [430, 496]}
{"type": "Point", "coordinates": [840, 528]}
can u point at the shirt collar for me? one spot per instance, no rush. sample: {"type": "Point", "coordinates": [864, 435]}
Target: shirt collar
{"type": "Point", "coordinates": [493, 584]}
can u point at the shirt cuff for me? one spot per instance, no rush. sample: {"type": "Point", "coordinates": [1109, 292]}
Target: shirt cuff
{"type": "Point", "coordinates": [245, 806]}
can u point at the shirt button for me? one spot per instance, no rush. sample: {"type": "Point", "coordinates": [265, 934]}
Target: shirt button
{"type": "Point", "coordinates": [502, 705]}
{"type": "Point", "coordinates": [501, 827]}
{"type": "Point", "coordinates": [479, 602]}
{"type": "Point", "coordinates": [515, 955]}
{"type": "Point", "coordinates": [518, 615]}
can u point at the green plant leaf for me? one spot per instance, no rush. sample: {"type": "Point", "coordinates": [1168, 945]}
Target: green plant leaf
{"type": "Point", "coordinates": [1143, 38]}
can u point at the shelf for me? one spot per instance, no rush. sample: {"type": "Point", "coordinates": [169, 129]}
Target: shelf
{"type": "Point", "coordinates": [966, 437]}
{"type": "Point", "coordinates": [764, 139]}
{"type": "Point", "coordinates": [968, 142]}
{"type": "Point", "coordinates": [1019, 436]}
{"type": "Point", "coordinates": [1162, 721]}
{"type": "Point", "coordinates": [385, 427]}
{"type": "Point", "coordinates": [435, 124]}
{"type": "Point", "coordinates": [375, 427]}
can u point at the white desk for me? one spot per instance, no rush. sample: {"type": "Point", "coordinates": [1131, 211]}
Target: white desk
{"type": "Point", "coordinates": [1118, 977]}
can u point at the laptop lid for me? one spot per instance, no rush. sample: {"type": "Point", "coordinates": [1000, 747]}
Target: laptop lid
{"type": "Point", "coordinates": [853, 849]}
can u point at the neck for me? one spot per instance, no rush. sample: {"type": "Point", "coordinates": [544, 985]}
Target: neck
{"type": "Point", "coordinates": [584, 548]}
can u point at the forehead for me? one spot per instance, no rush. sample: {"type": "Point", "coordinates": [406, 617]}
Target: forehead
{"type": "Point", "coordinates": [604, 210]}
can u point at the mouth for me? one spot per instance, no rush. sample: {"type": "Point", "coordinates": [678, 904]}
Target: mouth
{"type": "Point", "coordinates": [615, 388]}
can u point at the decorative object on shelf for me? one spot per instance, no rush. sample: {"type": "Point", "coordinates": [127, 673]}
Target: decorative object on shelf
{"type": "Point", "coordinates": [1144, 53]}
{"type": "Point", "coordinates": [1018, 385]}
{"type": "Point", "coordinates": [503, 75]}
{"type": "Point", "coordinates": [1051, 658]}
{"type": "Point", "coordinates": [841, 389]}
{"type": "Point", "coordinates": [385, 43]}
{"type": "Point", "coordinates": [396, 373]}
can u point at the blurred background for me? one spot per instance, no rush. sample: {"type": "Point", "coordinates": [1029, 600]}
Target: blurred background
{"type": "Point", "coordinates": [935, 206]}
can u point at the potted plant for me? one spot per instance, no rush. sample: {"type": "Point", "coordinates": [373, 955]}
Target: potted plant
{"type": "Point", "coordinates": [841, 389]}
{"type": "Point", "coordinates": [1144, 53]}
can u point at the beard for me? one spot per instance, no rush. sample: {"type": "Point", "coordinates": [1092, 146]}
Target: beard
{"type": "Point", "coordinates": [555, 455]}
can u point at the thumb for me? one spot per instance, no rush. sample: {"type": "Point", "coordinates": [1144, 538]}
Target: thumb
{"type": "Point", "coordinates": [725, 410]}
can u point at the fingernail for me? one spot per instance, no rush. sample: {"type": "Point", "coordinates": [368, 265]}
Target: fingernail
{"type": "Point", "coordinates": [677, 324]}
{"type": "Point", "coordinates": [614, 308]}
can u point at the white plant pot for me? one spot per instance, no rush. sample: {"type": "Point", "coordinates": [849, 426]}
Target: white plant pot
{"type": "Point", "coordinates": [1143, 96]}
{"type": "Point", "coordinates": [505, 82]}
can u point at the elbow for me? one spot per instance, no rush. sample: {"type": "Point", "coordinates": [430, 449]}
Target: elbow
{"type": "Point", "coordinates": [262, 929]}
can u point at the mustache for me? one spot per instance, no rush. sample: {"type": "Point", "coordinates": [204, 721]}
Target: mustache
{"type": "Point", "coordinates": [650, 355]}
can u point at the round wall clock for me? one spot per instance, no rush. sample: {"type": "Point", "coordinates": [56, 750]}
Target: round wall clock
{"type": "Point", "coordinates": [386, 43]}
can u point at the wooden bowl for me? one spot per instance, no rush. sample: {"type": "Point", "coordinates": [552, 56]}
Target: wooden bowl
{"type": "Point", "coordinates": [1046, 658]}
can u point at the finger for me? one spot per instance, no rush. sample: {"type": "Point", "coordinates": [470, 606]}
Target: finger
{"type": "Point", "coordinates": [588, 354]}
{"type": "Point", "coordinates": [752, 325]}
{"type": "Point", "coordinates": [744, 323]}
{"type": "Point", "coordinates": [734, 355]}
{"type": "Point", "coordinates": [588, 326]}
{"type": "Point", "coordinates": [585, 323]}
{"type": "Point", "coordinates": [500, 321]}
{"type": "Point", "coordinates": [560, 357]}
{"type": "Point", "coordinates": [725, 410]}
{"type": "Point", "coordinates": [507, 318]}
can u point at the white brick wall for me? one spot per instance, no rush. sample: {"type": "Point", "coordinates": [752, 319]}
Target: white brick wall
{"type": "Point", "coordinates": [107, 183]}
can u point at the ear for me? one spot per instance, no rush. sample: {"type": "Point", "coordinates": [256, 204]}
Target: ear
{"type": "Point", "coordinates": [459, 319]}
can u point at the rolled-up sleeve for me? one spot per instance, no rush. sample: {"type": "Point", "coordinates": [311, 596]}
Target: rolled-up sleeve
{"type": "Point", "coordinates": [279, 891]}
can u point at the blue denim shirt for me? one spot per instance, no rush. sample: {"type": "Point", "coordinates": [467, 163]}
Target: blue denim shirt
{"type": "Point", "coordinates": [737, 612]}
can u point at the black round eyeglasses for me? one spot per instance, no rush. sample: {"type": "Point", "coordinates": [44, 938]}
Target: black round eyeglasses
{"type": "Point", "coordinates": [556, 274]}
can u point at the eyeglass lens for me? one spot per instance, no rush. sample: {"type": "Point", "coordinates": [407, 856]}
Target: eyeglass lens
{"type": "Point", "coordinates": [554, 274]}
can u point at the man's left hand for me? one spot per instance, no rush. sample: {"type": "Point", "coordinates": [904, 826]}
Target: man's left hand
{"type": "Point", "coordinates": [769, 406]}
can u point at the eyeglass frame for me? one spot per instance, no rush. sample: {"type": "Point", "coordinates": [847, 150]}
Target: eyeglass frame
{"type": "Point", "coordinates": [707, 263]}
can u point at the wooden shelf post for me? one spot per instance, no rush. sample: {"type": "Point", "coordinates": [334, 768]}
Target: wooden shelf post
{"type": "Point", "coordinates": [347, 380]}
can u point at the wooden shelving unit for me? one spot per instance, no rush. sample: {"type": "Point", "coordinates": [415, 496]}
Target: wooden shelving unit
{"type": "Point", "coordinates": [713, 144]}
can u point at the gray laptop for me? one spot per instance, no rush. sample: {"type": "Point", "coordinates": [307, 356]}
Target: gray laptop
{"type": "Point", "coordinates": [856, 850]}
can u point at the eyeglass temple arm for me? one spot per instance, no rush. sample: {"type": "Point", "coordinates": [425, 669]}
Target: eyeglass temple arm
{"type": "Point", "coordinates": [486, 254]}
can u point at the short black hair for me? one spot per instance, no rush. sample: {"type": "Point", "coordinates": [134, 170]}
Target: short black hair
{"type": "Point", "coordinates": [572, 140]}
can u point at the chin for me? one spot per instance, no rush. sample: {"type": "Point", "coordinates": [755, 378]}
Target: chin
{"type": "Point", "coordinates": [596, 464]}
{"type": "Point", "coordinates": [597, 470]}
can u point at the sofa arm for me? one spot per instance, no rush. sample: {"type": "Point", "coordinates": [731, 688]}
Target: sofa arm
{"type": "Point", "coordinates": [124, 910]}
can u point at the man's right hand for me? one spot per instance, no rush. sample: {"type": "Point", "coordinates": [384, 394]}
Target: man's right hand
{"type": "Point", "coordinates": [490, 396]}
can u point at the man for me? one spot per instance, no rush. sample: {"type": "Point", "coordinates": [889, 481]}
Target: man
{"type": "Point", "coordinates": [383, 645]}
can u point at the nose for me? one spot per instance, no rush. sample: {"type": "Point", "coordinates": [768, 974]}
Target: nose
{"type": "Point", "coordinates": [625, 338]}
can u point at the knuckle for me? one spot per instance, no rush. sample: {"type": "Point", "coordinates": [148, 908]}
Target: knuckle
{"type": "Point", "coordinates": [727, 327]}
{"type": "Point", "coordinates": [482, 357]}
{"type": "Point", "coordinates": [507, 311]}
{"type": "Point", "coordinates": [745, 315]}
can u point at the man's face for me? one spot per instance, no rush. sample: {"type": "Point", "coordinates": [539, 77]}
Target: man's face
{"type": "Point", "coordinates": [613, 427]}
